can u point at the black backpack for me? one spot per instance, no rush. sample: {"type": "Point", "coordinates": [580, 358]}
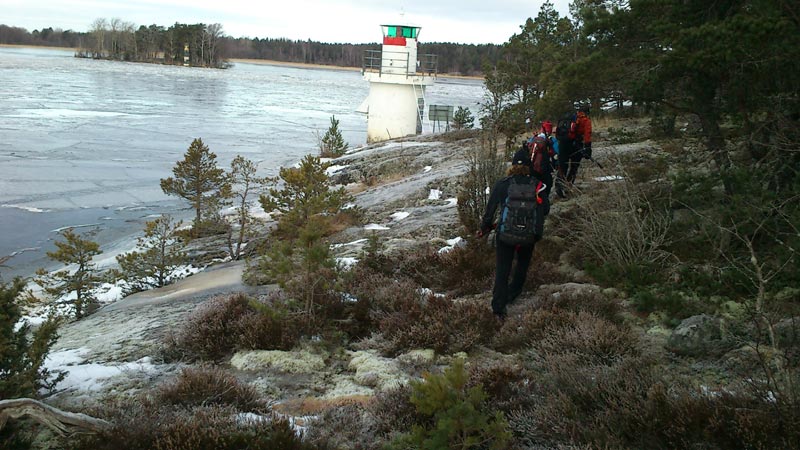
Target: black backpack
{"type": "Point", "coordinates": [562, 130]}
{"type": "Point", "coordinates": [522, 216]}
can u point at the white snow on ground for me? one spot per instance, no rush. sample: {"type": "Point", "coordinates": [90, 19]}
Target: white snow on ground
{"type": "Point", "coordinates": [257, 212]}
{"type": "Point", "coordinates": [105, 293]}
{"type": "Point", "coordinates": [435, 194]}
{"type": "Point", "coordinates": [452, 243]}
{"type": "Point", "coordinates": [427, 169]}
{"type": "Point", "coordinates": [333, 169]}
{"type": "Point", "coordinates": [451, 202]}
{"type": "Point", "coordinates": [109, 293]}
{"type": "Point", "coordinates": [349, 243]}
{"type": "Point", "coordinates": [375, 226]}
{"type": "Point", "coordinates": [346, 263]}
{"type": "Point", "coordinates": [427, 291]}
{"type": "Point", "coordinates": [91, 376]}
{"type": "Point", "coordinates": [25, 208]}
{"type": "Point", "coordinates": [609, 178]}
{"type": "Point", "coordinates": [399, 215]}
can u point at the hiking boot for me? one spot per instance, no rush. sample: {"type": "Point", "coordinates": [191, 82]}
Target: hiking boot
{"type": "Point", "coordinates": [560, 190]}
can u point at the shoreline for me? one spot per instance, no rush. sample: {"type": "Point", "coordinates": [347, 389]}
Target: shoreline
{"type": "Point", "coordinates": [299, 65]}
{"type": "Point", "coordinates": [45, 47]}
{"type": "Point", "coordinates": [266, 62]}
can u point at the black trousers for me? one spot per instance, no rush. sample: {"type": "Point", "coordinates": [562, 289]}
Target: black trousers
{"type": "Point", "coordinates": [505, 293]}
{"type": "Point", "coordinates": [569, 160]}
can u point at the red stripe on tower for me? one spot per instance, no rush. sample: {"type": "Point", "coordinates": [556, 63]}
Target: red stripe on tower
{"type": "Point", "coordinates": [394, 41]}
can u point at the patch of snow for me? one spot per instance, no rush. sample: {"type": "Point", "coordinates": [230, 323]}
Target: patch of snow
{"type": "Point", "coordinates": [427, 169]}
{"type": "Point", "coordinates": [108, 293]}
{"type": "Point", "coordinates": [400, 215]}
{"type": "Point", "coordinates": [452, 244]}
{"type": "Point", "coordinates": [349, 206]}
{"type": "Point", "coordinates": [349, 243]}
{"type": "Point", "coordinates": [346, 263]}
{"type": "Point", "coordinates": [435, 194]}
{"type": "Point", "coordinates": [488, 190]}
{"type": "Point", "coordinates": [257, 212]}
{"type": "Point", "coordinates": [333, 169]}
{"type": "Point", "coordinates": [91, 376]}
{"type": "Point", "coordinates": [375, 226]}
{"type": "Point", "coordinates": [609, 178]}
{"type": "Point", "coordinates": [427, 291]}
{"type": "Point", "coordinates": [349, 298]}
{"type": "Point", "coordinates": [455, 241]}
{"type": "Point", "coordinates": [451, 202]}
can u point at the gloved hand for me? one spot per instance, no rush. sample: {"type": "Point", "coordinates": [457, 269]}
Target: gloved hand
{"type": "Point", "coordinates": [587, 150]}
{"type": "Point", "coordinates": [483, 231]}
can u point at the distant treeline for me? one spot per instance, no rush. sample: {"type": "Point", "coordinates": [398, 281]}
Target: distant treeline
{"type": "Point", "coordinates": [208, 47]}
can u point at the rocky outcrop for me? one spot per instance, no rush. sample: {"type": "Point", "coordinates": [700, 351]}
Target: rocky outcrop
{"type": "Point", "coordinates": [697, 335]}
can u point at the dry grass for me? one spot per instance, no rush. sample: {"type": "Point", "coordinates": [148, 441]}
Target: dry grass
{"type": "Point", "coordinates": [306, 406]}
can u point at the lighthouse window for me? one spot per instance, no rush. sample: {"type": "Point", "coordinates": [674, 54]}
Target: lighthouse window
{"type": "Point", "coordinates": [401, 32]}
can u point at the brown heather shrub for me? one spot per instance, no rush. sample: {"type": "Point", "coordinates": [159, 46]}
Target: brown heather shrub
{"type": "Point", "coordinates": [209, 332]}
{"type": "Point", "coordinates": [542, 272]}
{"type": "Point", "coordinates": [209, 386]}
{"type": "Point", "coordinates": [141, 424]}
{"type": "Point", "coordinates": [461, 271]}
{"type": "Point", "coordinates": [228, 323]}
{"type": "Point", "coordinates": [394, 413]}
{"type": "Point", "coordinates": [579, 300]}
{"type": "Point", "coordinates": [629, 405]}
{"type": "Point", "coordinates": [500, 381]}
{"type": "Point", "coordinates": [376, 294]}
{"type": "Point", "coordinates": [465, 270]}
{"type": "Point", "coordinates": [590, 338]}
{"type": "Point", "coordinates": [529, 326]}
{"type": "Point", "coordinates": [439, 323]}
{"type": "Point", "coordinates": [346, 427]}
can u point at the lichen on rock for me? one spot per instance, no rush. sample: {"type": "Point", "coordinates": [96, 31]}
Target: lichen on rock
{"type": "Point", "coordinates": [291, 362]}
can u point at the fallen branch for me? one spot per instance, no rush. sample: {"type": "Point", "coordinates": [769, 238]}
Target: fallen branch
{"type": "Point", "coordinates": [54, 418]}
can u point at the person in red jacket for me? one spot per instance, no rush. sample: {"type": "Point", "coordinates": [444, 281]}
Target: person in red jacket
{"type": "Point", "coordinates": [575, 144]}
{"type": "Point", "coordinates": [583, 132]}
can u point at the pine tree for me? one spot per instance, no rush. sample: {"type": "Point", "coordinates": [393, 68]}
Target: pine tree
{"type": "Point", "coordinates": [305, 193]}
{"type": "Point", "coordinates": [243, 180]}
{"type": "Point", "coordinates": [198, 180]}
{"type": "Point", "coordinates": [22, 357]}
{"type": "Point", "coordinates": [332, 145]}
{"type": "Point", "coordinates": [463, 119]}
{"type": "Point", "coordinates": [82, 279]}
{"type": "Point", "coordinates": [155, 264]}
{"type": "Point", "coordinates": [457, 413]}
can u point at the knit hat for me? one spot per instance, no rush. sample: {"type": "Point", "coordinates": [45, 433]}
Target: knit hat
{"type": "Point", "coordinates": [521, 157]}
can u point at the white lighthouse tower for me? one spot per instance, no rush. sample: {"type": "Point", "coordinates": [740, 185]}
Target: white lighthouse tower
{"type": "Point", "coordinates": [397, 78]}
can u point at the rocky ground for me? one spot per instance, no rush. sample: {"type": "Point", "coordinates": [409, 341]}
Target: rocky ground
{"type": "Point", "coordinates": [406, 189]}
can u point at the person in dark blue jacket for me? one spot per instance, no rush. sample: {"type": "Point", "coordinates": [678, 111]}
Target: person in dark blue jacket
{"type": "Point", "coordinates": [504, 293]}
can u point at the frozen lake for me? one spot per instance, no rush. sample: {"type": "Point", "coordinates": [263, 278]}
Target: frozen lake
{"type": "Point", "coordinates": [85, 143]}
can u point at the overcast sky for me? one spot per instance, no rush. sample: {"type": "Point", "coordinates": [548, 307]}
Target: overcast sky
{"type": "Point", "coordinates": [350, 21]}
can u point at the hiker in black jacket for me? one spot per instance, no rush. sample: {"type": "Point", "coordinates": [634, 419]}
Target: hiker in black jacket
{"type": "Point", "coordinates": [504, 294]}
